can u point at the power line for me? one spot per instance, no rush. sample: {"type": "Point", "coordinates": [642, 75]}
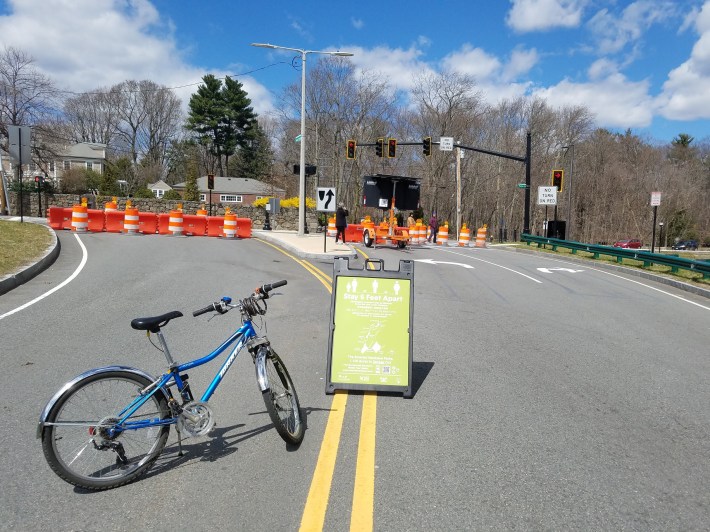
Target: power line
{"type": "Point", "coordinates": [177, 86]}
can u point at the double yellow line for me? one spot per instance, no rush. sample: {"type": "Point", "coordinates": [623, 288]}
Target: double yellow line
{"type": "Point", "coordinates": [362, 511]}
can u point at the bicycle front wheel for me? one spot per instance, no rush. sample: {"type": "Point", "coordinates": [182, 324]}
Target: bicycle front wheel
{"type": "Point", "coordinates": [83, 443]}
{"type": "Point", "coordinates": [281, 400]}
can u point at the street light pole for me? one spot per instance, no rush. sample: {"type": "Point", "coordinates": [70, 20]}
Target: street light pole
{"type": "Point", "coordinates": [302, 157]}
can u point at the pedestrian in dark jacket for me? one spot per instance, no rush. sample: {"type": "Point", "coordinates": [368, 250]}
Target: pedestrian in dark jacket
{"type": "Point", "coordinates": [433, 227]}
{"type": "Point", "coordinates": [341, 222]}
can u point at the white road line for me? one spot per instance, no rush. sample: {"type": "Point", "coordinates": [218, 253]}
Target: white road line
{"type": "Point", "coordinates": [63, 284]}
{"type": "Point", "coordinates": [493, 264]}
{"type": "Point", "coordinates": [632, 281]}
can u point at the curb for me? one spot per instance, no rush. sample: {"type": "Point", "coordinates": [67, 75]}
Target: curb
{"type": "Point", "coordinates": [697, 290]}
{"type": "Point", "coordinates": [14, 280]}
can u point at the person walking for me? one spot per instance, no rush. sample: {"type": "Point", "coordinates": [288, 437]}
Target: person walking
{"type": "Point", "coordinates": [341, 221]}
{"type": "Point", "coordinates": [433, 227]}
{"type": "Point", "coordinates": [411, 222]}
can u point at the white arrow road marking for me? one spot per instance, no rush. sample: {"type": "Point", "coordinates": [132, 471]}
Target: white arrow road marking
{"type": "Point", "coordinates": [550, 270]}
{"type": "Point", "coordinates": [430, 261]}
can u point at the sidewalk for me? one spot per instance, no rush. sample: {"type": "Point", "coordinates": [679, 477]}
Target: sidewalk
{"type": "Point", "coordinates": [307, 246]}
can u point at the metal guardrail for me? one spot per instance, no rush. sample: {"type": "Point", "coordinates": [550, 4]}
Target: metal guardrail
{"type": "Point", "coordinates": [648, 258]}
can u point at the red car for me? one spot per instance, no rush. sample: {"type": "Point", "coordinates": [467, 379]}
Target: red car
{"type": "Point", "coordinates": [633, 243]}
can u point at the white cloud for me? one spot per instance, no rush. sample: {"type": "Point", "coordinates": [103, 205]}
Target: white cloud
{"type": "Point", "coordinates": [357, 23]}
{"type": "Point", "coordinates": [496, 79]}
{"type": "Point", "coordinates": [614, 100]}
{"type": "Point", "coordinates": [83, 45]}
{"type": "Point", "coordinates": [614, 33]}
{"type": "Point", "coordinates": [398, 66]}
{"type": "Point", "coordinates": [686, 92]}
{"type": "Point", "coordinates": [536, 15]}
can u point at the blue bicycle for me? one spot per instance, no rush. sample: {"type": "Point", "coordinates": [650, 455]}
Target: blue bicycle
{"type": "Point", "coordinates": [106, 427]}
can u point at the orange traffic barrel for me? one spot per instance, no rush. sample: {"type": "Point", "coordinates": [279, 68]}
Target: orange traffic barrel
{"type": "Point", "coordinates": [230, 225]}
{"type": "Point", "coordinates": [175, 224]}
{"type": "Point", "coordinates": [332, 230]}
{"type": "Point", "coordinates": [201, 212]}
{"type": "Point", "coordinates": [130, 221]}
{"type": "Point", "coordinates": [481, 236]}
{"type": "Point", "coordinates": [442, 237]}
{"type": "Point", "coordinates": [110, 206]}
{"type": "Point", "coordinates": [465, 236]}
{"type": "Point", "coordinates": [79, 218]}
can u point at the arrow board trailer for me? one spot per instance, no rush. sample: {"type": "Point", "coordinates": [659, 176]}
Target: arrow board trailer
{"type": "Point", "coordinates": [387, 192]}
{"type": "Point", "coordinates": [371, 327]}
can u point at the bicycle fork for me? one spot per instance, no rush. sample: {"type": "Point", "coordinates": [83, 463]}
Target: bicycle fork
{"type": "Point", "coordinates": [259, 348]}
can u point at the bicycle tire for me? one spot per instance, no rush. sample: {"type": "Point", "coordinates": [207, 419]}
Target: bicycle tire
{"type": "Point", "coordinates": [71, 449]}
{"type": "Point", "coordinates": [281, 400]}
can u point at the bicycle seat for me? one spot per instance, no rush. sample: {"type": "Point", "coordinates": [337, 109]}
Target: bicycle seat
{"type": "Point", "coordinates": [154, 323]}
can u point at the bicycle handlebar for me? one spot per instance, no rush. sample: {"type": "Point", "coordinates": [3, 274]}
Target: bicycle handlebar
{"type": "Point", "coordinates": [208, 308]}
{"type": "Point", "coordinates": [269, 287]}
{"type": "Point", "coordinates": [261, 292]}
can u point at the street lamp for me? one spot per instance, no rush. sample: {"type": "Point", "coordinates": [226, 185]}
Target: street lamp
{"type": "Point", "coordinates": [302, 170]}
{"type": "Point", "coordinates": [660, 236]}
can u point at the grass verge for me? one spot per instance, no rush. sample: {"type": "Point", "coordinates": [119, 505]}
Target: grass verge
{"type": "Point", "coordinates": [21, 244]}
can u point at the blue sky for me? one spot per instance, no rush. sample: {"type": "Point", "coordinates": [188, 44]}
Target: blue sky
{"type": "Point", "coordinates": [642, 64]}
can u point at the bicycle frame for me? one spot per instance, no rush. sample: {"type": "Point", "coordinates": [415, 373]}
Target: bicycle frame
{"type": "Point", "coordinates": [241, 336]}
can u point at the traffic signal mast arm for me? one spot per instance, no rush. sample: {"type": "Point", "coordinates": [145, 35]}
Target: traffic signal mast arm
{"type": "Point", "coordinates": [479, 150]}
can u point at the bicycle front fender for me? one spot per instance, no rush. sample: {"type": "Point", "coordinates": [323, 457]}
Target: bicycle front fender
{"type": "Point", "coordinates": [260, 365]}
{"type": "Point", "coordinates": [69, 385]}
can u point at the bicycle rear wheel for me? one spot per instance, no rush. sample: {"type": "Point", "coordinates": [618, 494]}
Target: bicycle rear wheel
{"type": "Point", "coordinates": [281, 400]}
{"type": "Point", "coordinates": [81, 444]}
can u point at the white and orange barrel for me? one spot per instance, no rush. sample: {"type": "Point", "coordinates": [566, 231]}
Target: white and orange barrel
{"type": "Point", "coordinates": [130, 221]}
{"type": "Point", "coordinates": [111, 206]}
{"type": "Point", "coordinates": [442, 237]}
{"type": "Point", "coordinates": [230, 225]}
{"type": "Point", "coordinates": [201, 211]}
{"type": "Point", "coordinates": [79, 218]}
{"type": "Point", "coordinates": [421, 232]}
{"type": "Point", "coordinates": [481, 236]}
{"type": "Point", "coordinates": [465, 236]}
{"type": "Point", "coordinates": [175, 223]}
{"type": "Point", "coordinates": [332, 230]}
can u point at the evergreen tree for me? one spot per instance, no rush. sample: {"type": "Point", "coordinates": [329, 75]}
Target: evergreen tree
{"type": "Point", "coordinates": [192, 193]}
{"type": "Point", "coordinates": [255, 158]}
{"type": "Point", "coordinates": [220, 116]}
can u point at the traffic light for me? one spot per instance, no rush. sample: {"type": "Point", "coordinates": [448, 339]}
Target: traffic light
{"type": "Point", "coordinates": [426, 143]}
{"type": "Point", "coordinates": [558, 177]}
{"type": "Point", "coordinates": [210, 181]}
{"type": "Point", "coordinates": [350, 152]}
{"type": "Point", "coordinates": [379, 146]}
{"type": "Point", "coordinates": [392, 148]}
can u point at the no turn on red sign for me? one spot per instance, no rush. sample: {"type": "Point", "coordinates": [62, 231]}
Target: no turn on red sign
{"type": "Point", "coordinates": [547, 195]}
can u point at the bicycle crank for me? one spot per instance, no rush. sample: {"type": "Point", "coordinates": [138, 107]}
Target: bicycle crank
{"type": "Point", "coordinates": [196, 419]}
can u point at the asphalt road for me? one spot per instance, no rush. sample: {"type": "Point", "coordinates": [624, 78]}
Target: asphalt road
{"type": "Point", "coordinates": [563, 398]}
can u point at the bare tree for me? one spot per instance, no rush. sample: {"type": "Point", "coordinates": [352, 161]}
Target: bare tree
{"type": "Point", "coordinates": [26, 95]}
{"type": "Point", "coordinates": [93, 116]}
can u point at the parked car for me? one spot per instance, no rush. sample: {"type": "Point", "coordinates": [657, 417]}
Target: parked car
{"type": "Point", "coordinates": [686, 244]}
{"type": "Point", "coordinates": [632, 243]}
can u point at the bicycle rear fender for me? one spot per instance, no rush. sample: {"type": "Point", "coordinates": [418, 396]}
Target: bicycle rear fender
{"type": "Point", "coordinates": [48, 408]}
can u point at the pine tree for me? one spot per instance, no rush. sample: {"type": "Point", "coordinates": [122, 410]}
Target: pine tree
{"type": "Point", "coordinates": [221, 116]}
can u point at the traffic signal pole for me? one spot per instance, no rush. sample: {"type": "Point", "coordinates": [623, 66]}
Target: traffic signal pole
{"type": "Point", "coordinates": [527, 160]}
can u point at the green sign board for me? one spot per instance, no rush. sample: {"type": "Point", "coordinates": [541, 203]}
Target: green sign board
{"type": "Point", "coordinates": [370, 345]}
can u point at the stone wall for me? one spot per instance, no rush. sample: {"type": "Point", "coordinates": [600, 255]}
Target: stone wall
{"type": "Point", "coordinates": [285, 220]}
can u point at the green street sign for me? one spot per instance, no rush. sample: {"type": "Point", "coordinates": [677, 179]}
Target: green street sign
{"type": "Point", "coordinates": [522, 185]}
